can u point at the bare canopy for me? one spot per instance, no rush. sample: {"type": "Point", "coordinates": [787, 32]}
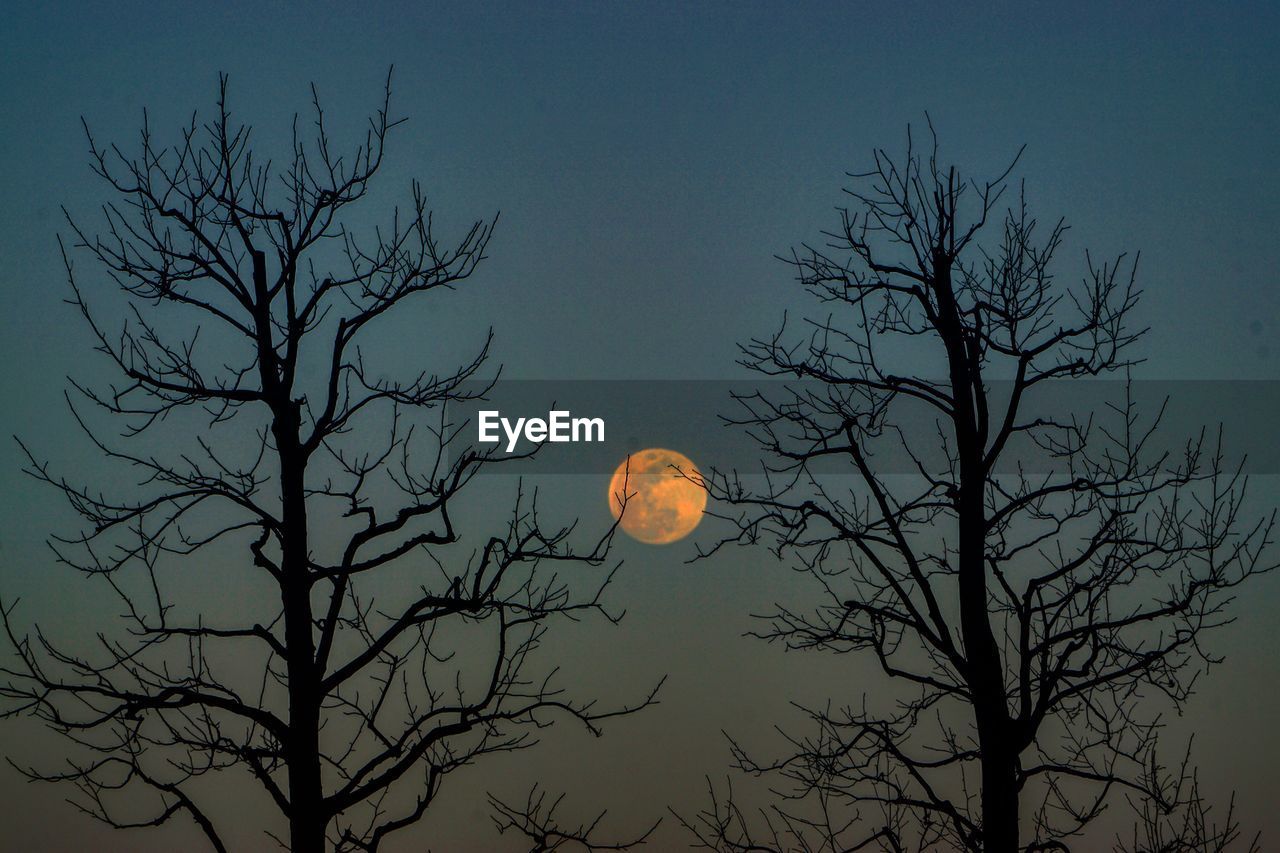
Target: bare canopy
{"type": "Point", "coordinates": [372, 651]}
{"type": "Point", "coordinates": [1037, 585]}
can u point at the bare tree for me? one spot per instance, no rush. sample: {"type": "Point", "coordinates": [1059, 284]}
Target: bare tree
{"type": "Point", "coordinates": [536, 820]}
{"type": "Point", "coordinates": [1025, 578]}
{"type": "Point", "coordinates": [1178, 819]}
{"type": "Point", "coordinates": [374, 652]}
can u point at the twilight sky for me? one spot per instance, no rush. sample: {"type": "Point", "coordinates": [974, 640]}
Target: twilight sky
{"type": "Point", "coordinates": [648, 159]}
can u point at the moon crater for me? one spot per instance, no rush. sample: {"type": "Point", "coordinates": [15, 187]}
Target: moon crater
{"type": "Point", "coordinates": [663, 497]}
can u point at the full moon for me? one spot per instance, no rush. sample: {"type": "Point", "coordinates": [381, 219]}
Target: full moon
{"type": "Point", "coordinates": [662, 503]}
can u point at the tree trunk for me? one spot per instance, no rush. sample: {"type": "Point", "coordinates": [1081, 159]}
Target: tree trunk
{"type": "Point", "coordinates": [307, 820]}
{"type": "Point", "coordinates": [999, 794]}
{"type": "Point", "coordinates": [302, 752]}
{"type": "Point", "coordinates": [985, 675]}
{"type": "Point", "coordinates": [986, 682]}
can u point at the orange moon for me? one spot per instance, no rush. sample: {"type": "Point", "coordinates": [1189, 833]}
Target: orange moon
{"type": "Point", "coordinates": [662, 504]}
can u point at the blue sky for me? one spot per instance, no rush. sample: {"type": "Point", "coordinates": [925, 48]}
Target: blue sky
{"type": "Point", "coordinates": [648, 160]}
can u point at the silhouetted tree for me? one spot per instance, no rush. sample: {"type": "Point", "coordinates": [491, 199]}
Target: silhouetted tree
{"type": "Point", "coordinates": [1179, 820]}
{"type": "Point", "coordinates": [370, 656]}
{"type": "Point", "coordinates": [1026, 576]}
{"type": "Point", "coordinates": [536, 821]}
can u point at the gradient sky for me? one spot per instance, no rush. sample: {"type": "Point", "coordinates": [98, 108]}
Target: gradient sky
{"type": "Point", "coordinates": [648, 159]}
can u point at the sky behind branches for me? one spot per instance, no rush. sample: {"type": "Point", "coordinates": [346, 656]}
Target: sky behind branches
{"type": "Point", "coordinates": [648, 161]}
